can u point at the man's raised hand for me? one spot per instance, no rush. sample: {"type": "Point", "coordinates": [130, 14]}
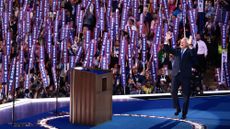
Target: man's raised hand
{"type": "Point", "coordinates": [190, 40]}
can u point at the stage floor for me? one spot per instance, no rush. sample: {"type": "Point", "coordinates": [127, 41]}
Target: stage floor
{"type": "Point", "coordinates": [130, 112]}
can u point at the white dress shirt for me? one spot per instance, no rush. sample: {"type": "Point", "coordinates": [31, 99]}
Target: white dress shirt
{"type": "Point", "coordinates": [202, 48]}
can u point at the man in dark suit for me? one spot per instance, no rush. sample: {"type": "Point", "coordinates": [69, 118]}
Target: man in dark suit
{"type": "Point", "coordinates": [184, 59]}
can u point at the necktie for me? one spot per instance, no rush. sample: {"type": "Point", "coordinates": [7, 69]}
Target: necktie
{"type": "Point", "coordinates": [182, 52]}
{"type": "Point", "coordinates": [197, 46]}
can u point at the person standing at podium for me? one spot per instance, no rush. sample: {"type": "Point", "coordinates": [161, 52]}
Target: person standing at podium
{"type": "Point", "coordinates": [186, 56]}
{"type": "Point", "coordinates": [117, 87]}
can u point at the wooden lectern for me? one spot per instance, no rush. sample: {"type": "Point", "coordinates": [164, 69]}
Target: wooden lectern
{"type": "Point", "coordinates": [90, 96]}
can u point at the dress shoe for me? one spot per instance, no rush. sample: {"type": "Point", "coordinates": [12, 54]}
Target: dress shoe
{"type": "Point", "coordinates": [183, 117]}
{"type": "Point", "coordinates": [177, 112]}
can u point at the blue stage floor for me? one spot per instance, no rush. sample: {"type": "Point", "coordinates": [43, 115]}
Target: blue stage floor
{"type": "Point", "coordinates": [213, 112]}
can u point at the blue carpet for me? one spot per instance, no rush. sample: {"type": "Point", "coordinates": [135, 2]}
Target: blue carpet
{"type": "Point", "coordinates": [214, 112]}
{"type": "Point", "coordinates": [126, 123]}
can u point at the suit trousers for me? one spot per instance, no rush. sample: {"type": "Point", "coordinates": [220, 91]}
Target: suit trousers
{"type": "Point", "coordinates": [178, 81]}
{"type": "Point", "coordinates": [201, 63]}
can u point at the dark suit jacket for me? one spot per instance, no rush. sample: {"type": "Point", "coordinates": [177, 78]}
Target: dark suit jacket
{"type": "Point", "coordinates": [186, 62]}
{"type": "Point", "coordinates": [175, 66]}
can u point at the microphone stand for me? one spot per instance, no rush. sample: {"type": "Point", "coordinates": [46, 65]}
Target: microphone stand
{"type": "Point", "coordinates": [57, 90]}
{"type": "Point", "coordinates": [14, 123]}
{"type": "Point", "coordinates": [13, 110]}
{"type": "Point", "coordinates": [13, 95]}
{"type": "Point", "coordinates": [58, 83]}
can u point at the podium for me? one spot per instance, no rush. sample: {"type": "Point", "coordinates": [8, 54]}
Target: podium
{"type": "Point", "coordinates": [90, 96]}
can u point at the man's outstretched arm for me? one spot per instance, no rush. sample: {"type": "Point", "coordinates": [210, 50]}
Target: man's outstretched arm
{"type": "Point", "coordinates": [167, 47]}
